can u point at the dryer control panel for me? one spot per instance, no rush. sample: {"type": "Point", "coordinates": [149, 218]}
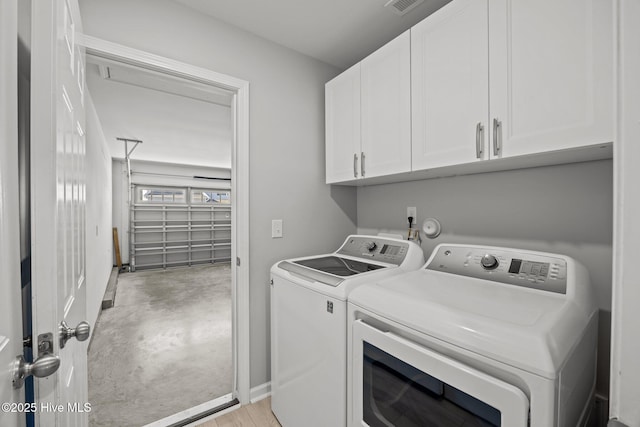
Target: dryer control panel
{"type": "Point", "coordinates": [513, 267]}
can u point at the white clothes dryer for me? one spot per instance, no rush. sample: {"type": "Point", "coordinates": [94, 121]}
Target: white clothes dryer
{"type": "Point", "coordinates": [309, 324]}
{"type": "Point", "coordinates": [481, 336]}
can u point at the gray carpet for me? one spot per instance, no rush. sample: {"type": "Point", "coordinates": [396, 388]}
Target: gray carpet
{"type": "Point", "coordinates": [164, 347]}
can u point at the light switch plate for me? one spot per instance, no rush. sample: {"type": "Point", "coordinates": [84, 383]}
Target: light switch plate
{"type": "Point", "coordinates": [276, 228]}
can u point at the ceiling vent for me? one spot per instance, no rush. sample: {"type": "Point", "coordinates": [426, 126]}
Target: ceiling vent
{"type": "Point", "coordinates": [402, 7]}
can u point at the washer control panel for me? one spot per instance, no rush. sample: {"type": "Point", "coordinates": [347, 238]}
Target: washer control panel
{"type": "Point", "coordinates": [510, 266]}
{"type": "Point", "coordinates": [375, 248]}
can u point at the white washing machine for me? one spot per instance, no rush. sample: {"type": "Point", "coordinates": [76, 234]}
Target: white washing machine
{"type": "Point", "coordinates": [309, 324]}
{"type": "Point", "coordinates": [481, 336]}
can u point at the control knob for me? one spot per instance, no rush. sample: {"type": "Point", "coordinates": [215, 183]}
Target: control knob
{"type": "Point", "coordinates": [371, 246]}
{"type": "Point", "coordinates": [489, 262]}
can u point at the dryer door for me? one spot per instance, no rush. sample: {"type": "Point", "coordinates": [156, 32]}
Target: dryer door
{"type": "Point", "coordinates": [398, 382]}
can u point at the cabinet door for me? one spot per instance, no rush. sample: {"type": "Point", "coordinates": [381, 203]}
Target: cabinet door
{"type": "Point", "coordinates": [551, 74]}
{"type": "Point", "coordinates": [386, 109]}
{"type": "Point", "coordinates": [450, 85]}
{"type": "Point", "coordinates": [342, 110]}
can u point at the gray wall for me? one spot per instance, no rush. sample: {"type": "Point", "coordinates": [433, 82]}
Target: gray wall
{"type": "Point", "coordinates": [99, 242]}
{"type": "Point", "coordinates": [286, 131]}
{"type": "Point", "coordinates": [565, 209]}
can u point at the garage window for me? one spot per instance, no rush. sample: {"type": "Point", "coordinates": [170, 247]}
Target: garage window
{"type": "Point", "coordinates": [206, 196]}
{"type": "Point", "coordinates": [161, 195]}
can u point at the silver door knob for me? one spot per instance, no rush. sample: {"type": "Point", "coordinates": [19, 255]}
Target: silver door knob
{"type": "Point", "coordinates": [43, 366]}
{"type": "Point", "coordinates": [81, 332]}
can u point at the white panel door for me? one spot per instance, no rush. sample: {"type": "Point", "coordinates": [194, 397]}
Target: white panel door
{"type": "Point", "coordinates": [386, 109]}
{"type": "Point", "coordinates": [450, 85]}
{"type": "Point", "coordinates": [10, 305]}
{"type": "Point", "coordinates": [342, 111]}
{"type": "Point", "coordinates": [58, 203]}
{"type": "Point", "coordinates": [551, 73]}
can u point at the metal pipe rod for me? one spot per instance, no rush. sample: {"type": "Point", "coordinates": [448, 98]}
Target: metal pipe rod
{"type": "Point", "coordinates": [127, 156]}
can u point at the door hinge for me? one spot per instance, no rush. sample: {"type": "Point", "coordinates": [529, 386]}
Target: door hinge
{"type": "Point", "coordinates": [238, 261]}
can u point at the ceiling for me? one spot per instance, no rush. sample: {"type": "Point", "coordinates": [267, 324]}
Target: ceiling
{"type": "Point", "coordinates": [165, 112]}
{"type": "Point", "coordinates": [179, 121]}
{"type": "Point", "coordinates": [338, 32]}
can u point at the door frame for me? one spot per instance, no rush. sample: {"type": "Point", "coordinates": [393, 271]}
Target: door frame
{"type": "Point", "coordinates": [624, 370]}
{"type": "Point", "coordinates": [239, 183]}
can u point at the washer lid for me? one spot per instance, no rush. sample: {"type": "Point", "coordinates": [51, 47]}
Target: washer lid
{"type": "Point", "coordinates": [529, 329]}
{"type": "Point", "coordinates": [358, 256]}
{"type": "Point", "coordinates": [339, 266]}
{"type": "Point", "coordinates": [329, 269]}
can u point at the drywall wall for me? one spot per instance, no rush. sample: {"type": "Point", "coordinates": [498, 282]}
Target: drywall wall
{"type": "Point", "coordinates": [99, 246]}
{"type": "Point", "coordinates": [565, 209]}
{"type": "Point", "coordinates": [157, 174]}
{"type": "Point", "coordinates": [286, 134]}
{"type": "Point", "coordinates": [175, 128]}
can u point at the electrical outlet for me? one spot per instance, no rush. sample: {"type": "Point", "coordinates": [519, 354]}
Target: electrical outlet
{"type": "Point", "coordinates": [413, 212]}
{"type": "Point", "coordinates": [276, 228]}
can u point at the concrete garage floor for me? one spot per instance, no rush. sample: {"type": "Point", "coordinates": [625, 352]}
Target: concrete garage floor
{"type": "Point", "coordinates": [164, 347]}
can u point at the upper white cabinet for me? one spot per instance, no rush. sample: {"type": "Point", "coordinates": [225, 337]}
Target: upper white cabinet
{"type": "Point", "coordinates": [368, 115]}
{"type": "Point", "coordinates": [386, 109]}
{"type": "Point", "coordinates": [450, 85]}
{"type": "Point", "coordinates": [551, 73]}
{"type": "Point", "coordinates": [342, 126]}
{"type": "Point", "coordinates": [478, 80]}
{"type": "Point", "coordinates": [510, 77]}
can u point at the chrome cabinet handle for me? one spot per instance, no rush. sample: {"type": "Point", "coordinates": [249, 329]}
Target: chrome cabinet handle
{"type": "Point", "coordinates": [362, 164]}
{"type": "Point", "coordinates": [355, 165]}
{"type": "Point", "coordinates": [479, 140]}
{"type": "Point", "coordinates": [81, 332]}
{"type": "Point", "coordinates": [497, 137]}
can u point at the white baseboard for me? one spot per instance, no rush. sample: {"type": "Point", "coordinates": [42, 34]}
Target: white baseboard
{"type": "Point", "coordinates": [260, 392]}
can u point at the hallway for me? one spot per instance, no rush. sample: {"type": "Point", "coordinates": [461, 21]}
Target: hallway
{"type": "Point", "coordinates": [164, 347]}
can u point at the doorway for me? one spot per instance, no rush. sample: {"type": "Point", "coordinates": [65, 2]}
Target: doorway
{"type": "Point", "coordinates": [238, 194]}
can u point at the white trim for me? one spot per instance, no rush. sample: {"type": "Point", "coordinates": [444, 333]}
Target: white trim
{"type": "Point", "coordinates": [260, 392]}
{"type": "Point", "coordinates": [240, 179]}
{"type": "Point", "coordinates": [618, 228]}
{"type": "Point", "coordinates": [203, 407]}
{"type": "Point", "coordinates": [624, 370]}
{"type": "Point", "coordinates": [117, 52]}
